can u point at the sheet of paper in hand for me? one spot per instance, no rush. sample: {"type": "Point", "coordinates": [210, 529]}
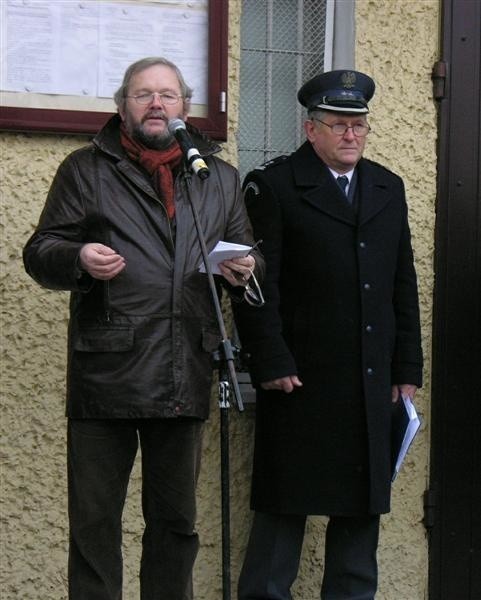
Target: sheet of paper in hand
{"type": "Point", "coordinates": [224, 251]}
{"type": "Point", "coordinates": [405, 424]}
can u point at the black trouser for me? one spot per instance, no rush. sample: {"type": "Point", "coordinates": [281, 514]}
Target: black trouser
{"type": "Point", "coordinates": [274, 550]}
{"type": "Point", "coordinates": [101, 454]}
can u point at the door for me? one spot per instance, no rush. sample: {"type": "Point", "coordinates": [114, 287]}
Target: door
{"type": "Point", "coordinates": [453, 502]}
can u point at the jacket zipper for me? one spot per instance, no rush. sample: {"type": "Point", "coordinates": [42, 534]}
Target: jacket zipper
{"type": "Point", "coordinates": [107, 301]}
{"type": "Point", "coordinates": [168, 221]}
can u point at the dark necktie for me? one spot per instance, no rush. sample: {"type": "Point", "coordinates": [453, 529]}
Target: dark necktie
{"type": "Point", "coordinates": [342, 182]}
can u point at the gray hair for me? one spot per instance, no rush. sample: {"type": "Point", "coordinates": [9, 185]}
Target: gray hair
{"type": "Point", "coordinates": [144, 63]}
{"type": "Point", "coordinates": [317, 113]}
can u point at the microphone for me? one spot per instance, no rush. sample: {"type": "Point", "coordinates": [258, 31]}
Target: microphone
{"type": "Point", "coordinates": [192, 155]}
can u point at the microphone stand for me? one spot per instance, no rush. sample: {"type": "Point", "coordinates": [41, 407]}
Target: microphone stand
{"type": "Point", "coordinates": [224, 359]}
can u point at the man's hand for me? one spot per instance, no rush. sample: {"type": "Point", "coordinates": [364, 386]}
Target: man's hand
{"type": "Point", "coordinates": [101, 262]}
{"type": "Point", "coordinates": [403, 389]}
{"type": "Point", "coordinates": [285, 384]}
{"type": "Point", "coordinates": [237, 271]}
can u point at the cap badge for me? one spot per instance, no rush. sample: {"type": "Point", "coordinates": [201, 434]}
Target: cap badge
{"type": "Point", "coordinates": [348, 79]}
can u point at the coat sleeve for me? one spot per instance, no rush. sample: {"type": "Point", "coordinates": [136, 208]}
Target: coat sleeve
{"type": "Point", "coordinates": [51, 254]}
{"type": "Point", "coordinates": [407, 359]}
{"type": "Point", "coordinates": [238, 225]}
{"type": "Point", "coordinates": [260, 329]}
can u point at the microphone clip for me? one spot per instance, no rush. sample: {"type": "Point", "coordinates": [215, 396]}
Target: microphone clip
{"type": "Point", "coordinates": [192, 156]}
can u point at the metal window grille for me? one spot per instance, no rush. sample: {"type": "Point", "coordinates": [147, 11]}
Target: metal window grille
{"type": "Point", "coordinates": [283, 44]}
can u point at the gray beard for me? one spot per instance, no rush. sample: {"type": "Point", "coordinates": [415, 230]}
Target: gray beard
{"type": "Point", "coordinates": [160, 141]}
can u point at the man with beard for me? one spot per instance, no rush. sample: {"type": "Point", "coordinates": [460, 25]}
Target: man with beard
{"type": "Point", "coordinates": [117, 230]}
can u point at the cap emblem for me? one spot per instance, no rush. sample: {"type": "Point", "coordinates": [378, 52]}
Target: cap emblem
{"type": "Point", "coordinates": [348, 79]}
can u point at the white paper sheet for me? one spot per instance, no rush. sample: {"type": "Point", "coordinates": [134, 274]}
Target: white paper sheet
{"type": "Point", "coordinates": [224, 251]}
{"type": "Point", "coordinates": [412, 425]}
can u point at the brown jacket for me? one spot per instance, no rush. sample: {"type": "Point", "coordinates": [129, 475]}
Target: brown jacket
{"type": "Point", "coordinates": [140, 344]}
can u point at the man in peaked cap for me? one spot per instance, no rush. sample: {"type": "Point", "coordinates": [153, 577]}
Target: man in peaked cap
{"type": "Point", "coordinates": [335, 346]}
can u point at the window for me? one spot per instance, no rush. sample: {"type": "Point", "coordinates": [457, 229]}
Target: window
{"type": "Point", "coordinates": [283, 44]}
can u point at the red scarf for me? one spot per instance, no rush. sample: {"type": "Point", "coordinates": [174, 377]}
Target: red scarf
{"type": "Point", "coordinates": [158, 163]}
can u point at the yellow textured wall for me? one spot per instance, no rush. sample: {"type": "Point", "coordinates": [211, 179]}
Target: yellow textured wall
{"type": "Point", "coordinates": [397, 44]}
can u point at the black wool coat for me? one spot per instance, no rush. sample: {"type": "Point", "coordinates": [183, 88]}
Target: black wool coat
{"type": "Point", "coordinates": [342, 313]}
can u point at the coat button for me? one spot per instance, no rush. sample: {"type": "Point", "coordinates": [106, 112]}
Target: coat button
{"type": "Point", "coordinates": [367, 286]}
{"type": "Point", "coordinates": [369, 371]}
{"type": "Point", "coordinates": [362, 244]}
{"type": "Point", "coordinates": [368, 328]}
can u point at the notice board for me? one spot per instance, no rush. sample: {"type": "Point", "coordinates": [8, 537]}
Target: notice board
{"type": "Point", "coordinates": [62, 60]}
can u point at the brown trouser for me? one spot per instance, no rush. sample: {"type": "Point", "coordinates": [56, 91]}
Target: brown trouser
{"type": "Point", "coordinates": [101, 454]}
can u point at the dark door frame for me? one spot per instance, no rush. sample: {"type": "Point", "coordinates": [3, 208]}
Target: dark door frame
{"type": "Point", "coordinates": [453, 515]}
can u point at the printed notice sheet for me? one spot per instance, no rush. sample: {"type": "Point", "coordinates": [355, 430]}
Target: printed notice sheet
{"type": "Point", "coordinates": [82, 48]}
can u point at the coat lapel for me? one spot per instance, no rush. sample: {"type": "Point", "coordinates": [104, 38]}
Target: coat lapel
{"type": "Point", "coordinates": [374, 190]}
{"type": "Point", "coordinates": [320, 189]}
{"type": "Point", "coordinates": [322, 192]}
{"type": "Point", "coordinates": [108, 141]}
{"type": "Point", "coordinates": [139, 178]}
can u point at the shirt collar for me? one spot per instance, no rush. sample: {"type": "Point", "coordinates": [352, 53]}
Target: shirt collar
{"type": "Point", "coordinates": [335, 174]}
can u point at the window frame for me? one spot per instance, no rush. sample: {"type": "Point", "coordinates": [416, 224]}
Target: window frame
{"type": "Point", "coordinates": [89, 122]}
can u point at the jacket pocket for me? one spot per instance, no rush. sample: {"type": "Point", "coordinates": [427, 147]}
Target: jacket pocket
{"type": "Point", "coordinates": [104, 339]}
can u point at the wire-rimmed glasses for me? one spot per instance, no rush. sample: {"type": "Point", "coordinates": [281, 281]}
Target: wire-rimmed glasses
{"type": "Point", "coordinates": [358, 129]}
{"type": "Point", "coordinates": [148, 97]}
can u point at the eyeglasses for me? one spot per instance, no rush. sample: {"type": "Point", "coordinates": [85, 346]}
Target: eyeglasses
{"type": "Point", "coordinates": [359, 129]}
{"type": "Point", "coordinates": [164, 97]}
